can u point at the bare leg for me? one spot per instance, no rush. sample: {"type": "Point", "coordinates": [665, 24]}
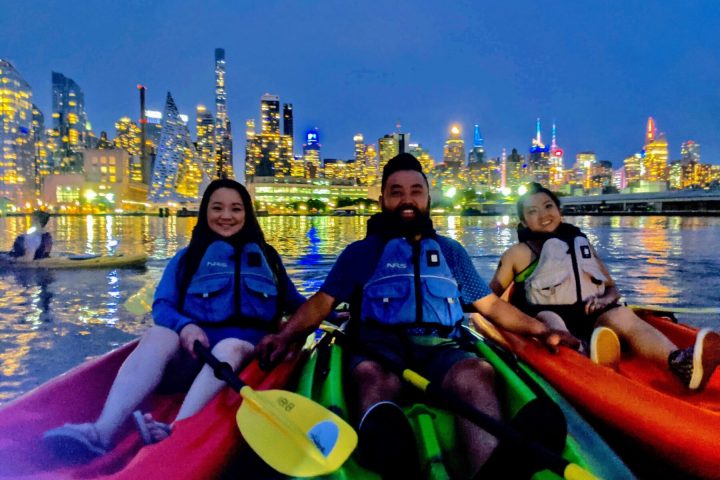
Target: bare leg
{"type": "Point", "coordinates": [473, 381]}
{"type": "Point", "coordinates": [374, 384]}
{"type": "Point", "coordinates": [139, 375]}
{"type": "Point", "coordinates": [231, 350]}
{"type": "Point", "coordinates": [643, 339]}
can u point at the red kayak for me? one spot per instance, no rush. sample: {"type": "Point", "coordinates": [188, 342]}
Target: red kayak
{"type": "Point", "coordinates": [200, 447]}
{"type": "Point", "coordinates": [644, 404]}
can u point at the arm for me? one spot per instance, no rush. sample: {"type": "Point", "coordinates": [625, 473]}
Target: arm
{"type": "Point", "coordinates": [504, 273]}
{"type": "Point", "coordinates": [510, 318]}
{"type": "Point", "coordinates": [273, 348]}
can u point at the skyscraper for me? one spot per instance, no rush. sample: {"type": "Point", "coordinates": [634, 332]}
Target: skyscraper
{"type": "Point", "coordinates": [204, 128]}
{"type": "Point", "coordinates": [454, 150]}
{"type": "Point", "coordinates": [477, 153]}
{"type": "Point", "coordinates": [288, 128]}
{"type": "Point", "coordinates": [17, 149]}
{"type": "Point", "coordinates": [270, 114]}
{"type": "Point", "coordinates": [70, 123]}
{"type": "Point", "coordinates": [655, 159]}
{"type": "Point", "coordinates": [128, 137]}
{"type": "Point", "coordinates": [311, 154]}
{"type": "Point", "coordinates": [223, 131]}
{"type": "Point", "coordinates": [268, 153]}
{"type": "Point", "coordinates": [177, 174]}
{"type": "Point", "coordinates": [539, 159]}
{"type": "Point", "coordinates": [556, 164]}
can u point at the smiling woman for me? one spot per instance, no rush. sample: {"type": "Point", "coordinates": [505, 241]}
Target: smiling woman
{"type": "Point", "coordinates": [226, 213]}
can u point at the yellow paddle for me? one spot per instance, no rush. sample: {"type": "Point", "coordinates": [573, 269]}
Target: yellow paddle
{"type": "Point", "coordinates": [140, 303]}
{"type": "Point", "coordinates": [293, 434]}
{"type": "Point", "coordinates": [681, 310]}
{"type": "Point", "coordinates": [497, 428]}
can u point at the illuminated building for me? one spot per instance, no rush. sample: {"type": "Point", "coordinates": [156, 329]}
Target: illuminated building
{"type": "Point", "coordinates": [103, 185]}
{"type": "Point", "coordinates": [693, 175]}
{"type": "Point", "coordinates": [515, 167]}
{"type": "Point", "coordinates": [655, 159]}
{"type": "Point", "coordinates": [17, 165]}
{"type": "Point", "coordinates": [454, 149]}
{"type": "Point", "coordinates": [539, 159]}
{"type": "Point", "coordinates": [690, 152]}
{"type": "Point", "coordinates": [269, 153]}
{"type": "Point", "coordinates": [204, 133]}
{"type": "Point", "coordinates": [426, 160]}
{"type": "Point", "coordinates": [128, 137]}
{"type": "Point", "coordinates": [675, 175]}
{"type": "Point", "coordinates": [70, 123]}
{"type": "Point", "coordinates": [366, 168]}
{"type": "Point", "coordinates": [601, 174]}
{"type": "Point", "coordinates": [390, 145]}
{"type": "Point", "coordinates": [177, 173]}
{"type": "Point", "coordinates": [477, 153]}
{"type": "Point", "coordinates": [223, 130]}
{"type": "Point", "coordinates": [278, 194]}
{"type": "Point", "coordinates": [585, 163]}
{"type": "Point", "coordinates": [41, 163]}
{"type": "Point", "coordinates": [311, 154]}
{"type": "Point", "coordinates": [633, 169]}
{"type": "Point", "coordinates": [556, 176]}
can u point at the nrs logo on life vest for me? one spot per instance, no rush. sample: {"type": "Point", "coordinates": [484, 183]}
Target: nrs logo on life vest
{"type": "Point", "coordinates": [217, 264]}
{"type": "Point", "coordinates": [396, 265]}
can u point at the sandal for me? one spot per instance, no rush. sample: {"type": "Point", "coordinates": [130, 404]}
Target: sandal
{"type": "Point", "coordinates": [143, 428]}
{"type": "Point", "coordinates": [74, 443]}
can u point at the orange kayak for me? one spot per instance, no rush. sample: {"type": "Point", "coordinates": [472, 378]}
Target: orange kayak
{"type": "Point", "coordinates": [643, 403]}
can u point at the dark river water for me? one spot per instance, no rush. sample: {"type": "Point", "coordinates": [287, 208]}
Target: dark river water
{"type": "Point", "coordinates": [53, 320]}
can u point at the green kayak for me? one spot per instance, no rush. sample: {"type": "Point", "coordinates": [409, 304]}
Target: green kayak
{"type": "Point", "coordinates": [322, 380]}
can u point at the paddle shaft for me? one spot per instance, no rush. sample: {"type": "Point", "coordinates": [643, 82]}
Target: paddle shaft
{"type": "Point", "coordinates": [495, 427]}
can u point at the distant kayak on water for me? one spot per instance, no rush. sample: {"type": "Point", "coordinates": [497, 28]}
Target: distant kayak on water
{"type": "Point", "coordinates": [78, 261]}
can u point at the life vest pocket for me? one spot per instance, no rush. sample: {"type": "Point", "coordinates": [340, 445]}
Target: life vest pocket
{"type": "Point", "coordinates": [555, 286]}
{"type": "Point", "coordinates": [592, 279]}
{"type": "Point", "coordinates": [258, 297]}
{"type": "Point", "coordinates": [441, 302]}
{"type": "Point", "coordinates": [209, 297]}
{"type": "Point", "coordinates": [389, 302]}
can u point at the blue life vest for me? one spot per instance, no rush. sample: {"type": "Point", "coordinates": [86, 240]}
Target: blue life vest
{"type": "Point", "coordinates": [215, 296]}
{"type": "Point", "coordinates": [412, 284]}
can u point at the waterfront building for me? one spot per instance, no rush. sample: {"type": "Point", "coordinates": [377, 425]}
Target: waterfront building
{"type": "Point", "coordinates": [539, 159]}
{"type": "Point", "coordinates": [391, 145]}
{"type": "Point", "coordinates": [365, 160]}
{"type": "Point", "coordinates": [103, 184]}
{"type": "Point", "coordinates": [454, 149]}
{"type": "Point", "coordinates": [205, 142]}
{"type": "Point", "coordinates": [128, 136]}
{"type": "Point", "coordinates": [288, 121]}
{"type": "Point", "coordinates": [655, 157]}
{"type": "Point", "coordinates": [70, 123]}
{"type": "Point", "coordinates": [690, 152]}
{"type": "Point", "coordinates": [223, 130]}
{"type": "Point", "coordinates": [675, 175]}
{"type": "Point", "coordinates": [515, 170]}
{"type": "Point", "coordinates": [477, 153]}
{"type": "Point", "coordinates": [556, 176]}
{"type": "Point", "coordinates": [634, 168]}
{"type": "Point", "coordinates": [423, 155]}
{"type": "Point", "coordinates": [17, 154]}
{"type": "Point", "coordinates": [177, 173]}
{"type": "Point", "coordinates": [281, 195]}
{"type": "Point", "coordinates": [585, 163]}
{"type": "Point", "coordinates": [268, 153]}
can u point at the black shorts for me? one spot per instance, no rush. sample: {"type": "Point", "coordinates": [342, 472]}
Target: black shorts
{"type": "Point", "coordinates": [432, 356]}
{"type": "Point", "coordinates": [576, 320]}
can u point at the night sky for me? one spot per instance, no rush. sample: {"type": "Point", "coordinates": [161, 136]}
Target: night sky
{"type": "Point", "coordinates": [599, 68]}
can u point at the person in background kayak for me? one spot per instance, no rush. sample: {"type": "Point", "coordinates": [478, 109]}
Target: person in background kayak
{"type": "Point", "coordinates": [559, 279]}
{"type": "Point", "coordinates": [227, 289]}
{"type": "Point", "coordinates": [36, 243]}
{"type": "Point", "coordinates": [406, 286]}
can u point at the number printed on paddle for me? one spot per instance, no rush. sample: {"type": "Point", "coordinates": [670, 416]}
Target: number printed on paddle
{"type": "Point", "coordinates": [285, 404]}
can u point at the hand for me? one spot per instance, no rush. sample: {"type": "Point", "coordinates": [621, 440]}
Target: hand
{"type": "Point", "coordinates": [272, 349]}
{"type": "Point", "coordinates": [594, 304]}
{"type": "Point", "coordinates": [189, 334]}
{"type": "Point", "coordinates": [554, 338]}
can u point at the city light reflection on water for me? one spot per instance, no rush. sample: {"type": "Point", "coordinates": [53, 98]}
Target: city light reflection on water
{"type": "Point", "coordinates": [53, 320]}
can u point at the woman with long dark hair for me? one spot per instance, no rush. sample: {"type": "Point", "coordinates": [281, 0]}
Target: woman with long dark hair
{"type": "Point", "coordinates": [227, 289]}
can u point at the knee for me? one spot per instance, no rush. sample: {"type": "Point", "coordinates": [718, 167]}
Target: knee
{"type": "Point", "coordinates": [161, 341]}
{"type": "Point", "coordinates": [369, 374]}
{"type": "Point", "coordinates": [232, 350]}
{"type": "Point", "coordinates": [470, 377]}
{"type": "Point", "coordinates": [620, 319]}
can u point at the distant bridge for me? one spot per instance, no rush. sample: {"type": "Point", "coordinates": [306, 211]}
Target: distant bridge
{"type": "Point", "coordinates": [673, 202]}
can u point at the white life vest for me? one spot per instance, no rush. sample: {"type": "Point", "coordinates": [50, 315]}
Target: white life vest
{"type": "Point", "coordinates": [565, 275]}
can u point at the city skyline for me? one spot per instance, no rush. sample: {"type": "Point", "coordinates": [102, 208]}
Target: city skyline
{"type": "Point", "coordinates": [430, 74]}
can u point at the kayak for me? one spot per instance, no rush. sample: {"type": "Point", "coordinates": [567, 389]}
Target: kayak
{"type": "Point", "coordinates": [321, 379]}
{"type": "Point", "coordinates": [643, 406]}
{"type": "Point", "coordinates": [200, 447]}
{"type": "Point", "coordinates": [79, 261]}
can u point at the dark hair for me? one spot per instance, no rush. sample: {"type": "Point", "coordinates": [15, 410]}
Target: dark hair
{"type": "Point", "coordinates": [203, 236]}
{"type": "Point", "coordinates": [41, 216]}
{"type": "Point", "coordinates": [532, 189]}
{"type": "Point", "coordinates": [403, 161]}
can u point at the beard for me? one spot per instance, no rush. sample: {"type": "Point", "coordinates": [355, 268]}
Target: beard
{"type": "Point", "coordinates": [409, 227]}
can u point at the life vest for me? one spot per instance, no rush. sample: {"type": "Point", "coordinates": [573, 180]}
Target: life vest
{"type": "Point", "coordinates": [43, 251]}
{"type": "Point", "coordinates": [567, 272]}
{"type": "Point", "coordinates": [412, 284]}
{"type": "Point", "coordinates": [216, 296]}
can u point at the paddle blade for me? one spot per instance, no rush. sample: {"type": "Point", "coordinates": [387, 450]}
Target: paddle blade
{"type": "Point", "coordinates": [140, 303]}
{"type": "Point", "coordinates": [293, 434]}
